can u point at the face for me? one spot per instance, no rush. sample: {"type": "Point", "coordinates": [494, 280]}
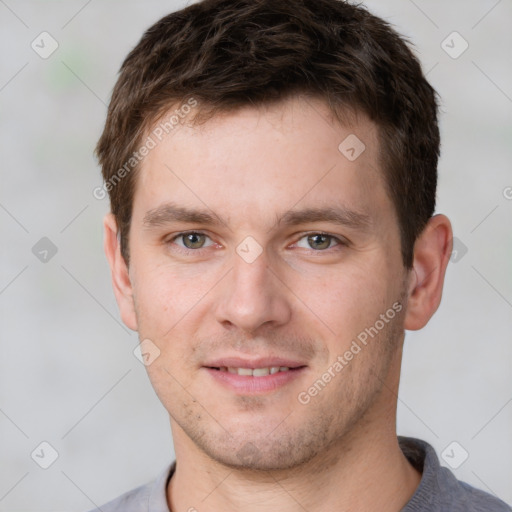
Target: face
{"type": "Point", "coordinates": [258, 245]}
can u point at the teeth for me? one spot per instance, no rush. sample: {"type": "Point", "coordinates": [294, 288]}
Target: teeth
{"type": "Point", "coordinates": [256, 372]}
{"type": "Point", "coordinates": [260, 372]}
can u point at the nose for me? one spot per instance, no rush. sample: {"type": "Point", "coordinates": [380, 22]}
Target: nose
{"type": "Point", "coordinates": [253, 296]}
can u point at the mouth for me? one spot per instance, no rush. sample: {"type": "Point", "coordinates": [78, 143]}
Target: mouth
{"type": "Point", "coordinates": [255, 372]}
{"type": "Point", "coordinates": [257, 377]}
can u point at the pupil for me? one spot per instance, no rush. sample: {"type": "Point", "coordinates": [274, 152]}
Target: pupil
{"type": "Point", "coordinates": [319, 241]}
{"type": "Point", "coordinates": [193, 240]}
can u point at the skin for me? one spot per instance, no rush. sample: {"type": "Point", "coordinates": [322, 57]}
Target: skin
{"type": "Point", "coordinates": [339, 451]}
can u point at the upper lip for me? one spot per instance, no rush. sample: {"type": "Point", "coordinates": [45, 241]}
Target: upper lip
{"type": "Point", "coordinates": [260, 362]}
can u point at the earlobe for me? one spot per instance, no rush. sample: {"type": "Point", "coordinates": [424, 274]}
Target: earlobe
{"type": "Point", "coordinates": [432, 252]}
{"type": "Point", "coordinates": [121, 282]}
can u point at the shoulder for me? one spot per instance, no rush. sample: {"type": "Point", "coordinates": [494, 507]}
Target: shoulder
{"type": "Point", "coordinates": [457, 496]}
{"type": "Point", "coordinates": [439, 489]}
{"type": "Point", "coordinates": [135, 500]}
{"type": "Point", "coordinates": [150, 497]}
{"type": "Point", "coordinates": [480, 501]}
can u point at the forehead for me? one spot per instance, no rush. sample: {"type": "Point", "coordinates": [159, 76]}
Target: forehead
{"type": "Point", "coordinates": [252, 163]}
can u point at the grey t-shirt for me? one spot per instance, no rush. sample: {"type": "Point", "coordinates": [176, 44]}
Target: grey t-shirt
{"type": "Point", "coordinates": [439, 490]}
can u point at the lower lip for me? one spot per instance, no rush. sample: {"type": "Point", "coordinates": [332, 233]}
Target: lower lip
{"type": "Point", "coordinates": [247, 384]}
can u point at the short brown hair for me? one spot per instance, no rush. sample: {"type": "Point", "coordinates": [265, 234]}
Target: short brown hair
{"type": "Point", "coordinates": [228, 54]}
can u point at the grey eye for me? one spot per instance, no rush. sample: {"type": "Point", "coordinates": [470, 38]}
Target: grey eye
{"type": "Point", "coordinates": [317, 241]}
{"type": "Point", "coordinates": [193, 240]}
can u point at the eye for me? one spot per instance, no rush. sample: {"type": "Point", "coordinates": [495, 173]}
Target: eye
{"type": "Point", "coordinates": [192, 240]}
{"type": "Point", "coordinates": [319, 241]}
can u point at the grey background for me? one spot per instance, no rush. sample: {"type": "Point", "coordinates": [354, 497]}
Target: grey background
{"type": "Point", "coordinates": [68, 375]}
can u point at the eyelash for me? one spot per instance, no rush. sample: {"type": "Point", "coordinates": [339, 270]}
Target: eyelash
{"type": "Point", "coordinates": [185, 250]}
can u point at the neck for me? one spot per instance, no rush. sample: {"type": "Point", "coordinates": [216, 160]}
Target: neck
{"type": "Point", "coordinates": [364, 471]}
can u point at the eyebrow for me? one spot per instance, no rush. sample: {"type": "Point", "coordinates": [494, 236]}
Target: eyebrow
{"type": "Point", "coordinates": [339, 215]}
{"type": "Point", "coordinates": [168, 213]}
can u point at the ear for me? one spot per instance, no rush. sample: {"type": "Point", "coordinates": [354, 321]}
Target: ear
{"type": "Point", "coordinates": [432, 252]}
{"type": "Point", "coordinates": [120, 277]}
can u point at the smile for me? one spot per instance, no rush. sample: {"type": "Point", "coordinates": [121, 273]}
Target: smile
{"type": "Point", "coordinates": [254, 372]}
{"type": "Point", "coordinates": [254, 381]}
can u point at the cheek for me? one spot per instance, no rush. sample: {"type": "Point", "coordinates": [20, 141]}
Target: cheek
{"type": "Point", "coordinates": [168, 307]}
{"type": "Point", "coordinates": [165, 293]}
{"type": "Point", "coordinates": [348, 300]}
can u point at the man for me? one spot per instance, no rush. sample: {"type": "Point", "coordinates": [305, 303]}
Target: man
{"type": "Point", "coordinates": [272, 170]}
